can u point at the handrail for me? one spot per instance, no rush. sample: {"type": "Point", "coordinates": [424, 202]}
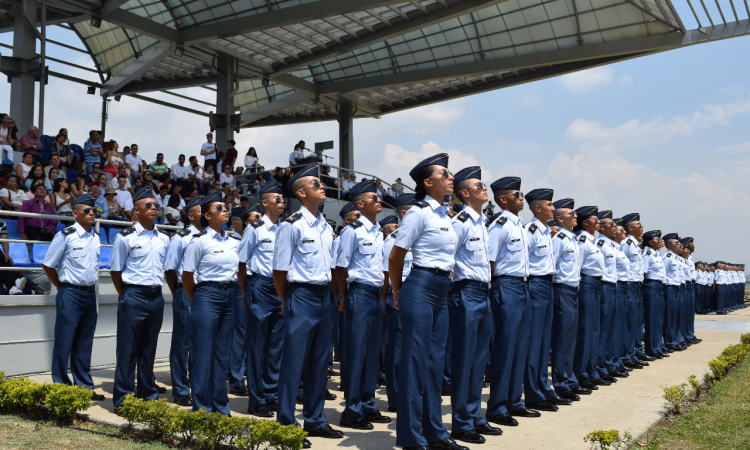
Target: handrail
{"type": "Point", "coordinates": [72, 219]}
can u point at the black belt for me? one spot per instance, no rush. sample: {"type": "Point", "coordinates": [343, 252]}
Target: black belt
{"type": "Point", "coordinates": [600, 277]}
{"type": "Point", "coordinates": [652, 280]}
{"type": "Point", "coordinates": [313, 287]}
{"type": "Point", "coordinates": [623, 283]}
{"type": "Point", "coordinates": [473, 283]}
{"type": "Point", "coordinates": [91, 288]}
{"type": "Point", "coordinates": [259, 277]}
{"type": "Point", "coordinates": [367, 287]}
{"type": "Point", "coordinates": [217, 284]}
{"type": "Point", "coordinates": [150, 289]}
{"type": "Point", "coordinates": [441, 273]}
{"type": "Point", "coordinates": [547, 277]}
{"type": "Point", "coordinates": [509, 277]}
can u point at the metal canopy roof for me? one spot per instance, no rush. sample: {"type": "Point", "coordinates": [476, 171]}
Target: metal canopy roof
{"type": "Point", "coordinates": [297, 59]}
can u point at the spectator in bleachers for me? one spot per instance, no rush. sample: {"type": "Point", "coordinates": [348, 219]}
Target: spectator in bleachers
{"type": "Point", "coordinates": [227, 176]}
{"type": "Point", "coordinates": [172, 214]}
{"type": "Point", "coordinates": [134, 163]}
{"type": "Point", "coordinates": [78, 167]}
{"type": "Point", "coordinates": [115, 211]}
{"type": "Point", "coordinates": [31, 143]}
{"type": "Point", "coordinates": [23, 169]}
{"type": "Point", "coordinates": [64, 132]}
{"type": "Point", "coordinates": [244, 203]}
{"type": "Point", "coordinates": [54, 161]}
{"type": "Point", "coordinates": [215, 185]}
{"type": "Point", "coordinates": [30, 193]}
{"type": "Point", "coordinates": [102, 181]}
{"type": "Point", "coordinates": [209, 152]}
{"type": "Point", "coordinates": [112, 160]}
{"type": "Point", "coordinates": [36, 172]}
{"type": "Point", "coordinates": [165, 179]}
{"type": "Point", "coordinates": [180, 171]}
{"type": "Point", "coordinates": [163, 196]}
{"type": "Point", "coordinates": [49, 182]}
{"type": "Point", "coordinates": [62, 150]}
{"type": "Point", "coordinates": [226, 188]}
{"type": "Point", "coordinates": [148, 180]}
{"type": "Point", "coordinates": [98, 195]}
{"type": "Point", "coordinates": [195, 173]}
{"type": "Point", "coordinates": [209, 175]}
{"type": "Point", "coordinates": [94, 174]}
{"type": "Point", "coordinates": [137, 183]}
{"type": "Point", "coordinates": [14, 282]}
{"type": "Point", "coordinates": [351, 182]}
{"type": "Point", "coordinates": [229, 201]}
{"type": "Point", "coordinates": [11, 196]}
{"type": "Point", "coordinates": [159, 167]}
{"type": "Point", "coordinates": [123, 191]}
{"type": "Point", "coordinates": [6, 141]}
{"type": "Point", "coordinates": [251, 161]}
{"type": "Point", "coordinates": [230, 157]}
{"type": "Point", "coordinates": [115, 181]}
{"type": "Point", "coordinates": [176, 189]}
{"type": "Point", "coordinates": [297, 154]}
{"type": "Point", "coordinates": [92, 150]}
{"type": "Point", "coordinates": [37, 228]}
{"type": "Point", "coordinates": [61, 198]}
{"type": "Point", "coordinates": [79, 187]}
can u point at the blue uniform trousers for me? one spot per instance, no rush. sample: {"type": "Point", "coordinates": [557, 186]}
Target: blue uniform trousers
{"type": "Point", "coordinates": [536, 376]}
{"type": "Point", "coordinates": [392, 351]}
{"type": "Point", "coordinates": [238, 354]}
{"type": "Point", "coordinates": [605, 362]}
{"type": "Point", "coordinates": [653, 309]}
{"type": "Point", "coordinates": [342, 342]}
{"type": "Point", "coordinates": [621, 301]}
{"type": "Point", "coordinates": [212, 322]}
{"type": "Point", "coordinates": [445, 387]}
{"type": "Point", "coordinates": [631, 320]}
{"type": "Point", "coordinates": [336, 352]}
{"type": "Point", "coordinates": [690, 289]}
{"type": "Point", "coordinates": [564, 331]}
{"type": "Point", "coordinates": [470, 319]}
{"type": "Point", "coordinates": [264, 341]}
{"type": "Point", "coordinates": [383, 345]}
{"type": "Point", "coordinates": [179, 351]}
{"type": "Point", "coordinates": [638, 322]}
{"type": "Point", "coordinates": [589, 301]}
{"type": "Point", "coordinates": [681, 314]}
{"type": "Point", "coordinates": [307, 312]}
{"type": "Point", "coordinates": [671, 338]}
{"type": "Point", "coordinates": [511, 312]}
{"type": "Point", "coordinates": [140, 311]}
{"type": "Point", "coordinates": [424, 325]}
{"type": "Point", "coordinates": [364, 319]}
{"type": "Point", "coordinates": [75, 323]}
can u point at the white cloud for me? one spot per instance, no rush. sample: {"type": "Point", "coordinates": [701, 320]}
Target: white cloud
{"type": "Point", "coordinates": [585, 80]}
{"type": "Point", "coordinates": [399, 161]}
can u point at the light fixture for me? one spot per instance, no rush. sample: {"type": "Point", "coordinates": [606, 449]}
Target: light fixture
{"type": "Point", "coordinates": [179, 50]}
{"type": "Point", "coordinates": [91, 90]}
{"type": "Point", "coordinates": [96, 21]}
{"type": "Point", "coordinates": [117, 98]}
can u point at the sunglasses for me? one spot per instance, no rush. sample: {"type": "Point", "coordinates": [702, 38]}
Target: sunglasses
{"type": "Point", "coordinates": [375, 198]}
{"type": "Point", "coordinates": [445, 173]}
{"type": "Point", "coordinates": [316, 184]}
{"type": "Point", "coordinates": [278, 199]}
{"type": "Point", "coordinates": [220, 208]}
{"type": "Point", "coordinates": [149, 205]}
{"type": "Point", "coordinates": [571, 214]}
{"type": "Point", "coordinates": [480, 185]}
{"type": "Point", "coordinates": [87, 211]}
{"type": "Point", "coordinates": [517, 194]}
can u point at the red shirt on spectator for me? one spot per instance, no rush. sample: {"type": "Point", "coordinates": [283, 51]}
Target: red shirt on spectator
{"type": "Point", "coordinates": [229, 158]}
{"type": "Point", "coordinates": [36, 142]}
{"type": "Point", "coordinates": [33, 206]}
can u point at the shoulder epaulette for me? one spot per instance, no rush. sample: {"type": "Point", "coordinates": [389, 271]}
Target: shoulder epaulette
{"type": "Point", "coordinates": [127, 231]}
{"type": "Point", "coordinates": [256, 223]}
{"type": "Point", "coordinates": [533, 228]}
{"type": "Point", "coordinates": [582, 238]}
{"type": "Point", "coordinates": [600, 242]}
{"type": "Point", "coordinates": [648, 252]}
{"type": "Point", "coordinates": [355, 224]}
{"type": "Point", "coordinates": [463, 216]}
{"type": "Point", "coordinates": [669, 255]}
{"type": "Point", "coordinates": [294, 217]}
{"type": "Point", "coordinates": [184, 232]}
{"type": "Point", "coordinates": [422, 204]}
{"type": "Point", "coordinates": [163, 231]}
{"type": "Point", "coordinates": [235, 237]}
{"type": "Point", "coordinates": [501, 220]}
{"type": "Point", "coordinates": [68, 230]}
{"type": "Point", "coordinates": [394, 234]}
{"type": "Point", "coordinates": [200, 234]}
{"type": "Point", "coordinates": [96, 232]}
{"type": "Point", "coordinates": [630, 241]}
{"type": "Point", "coordinates": [561, 235]}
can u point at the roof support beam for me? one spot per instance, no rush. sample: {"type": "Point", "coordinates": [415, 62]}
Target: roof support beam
{"type": "Point", "coordinates": [273, 108]}
{"type": "Point", "coordinates": [154, 56]}
{"type": "Point", "coordinates": [155, 86]}
{"type": "Point", "coordinates": [142, 25]}
{"type": "Point", "coordinates": [110, 5]}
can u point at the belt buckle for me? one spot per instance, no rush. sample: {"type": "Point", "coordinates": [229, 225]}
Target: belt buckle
{"type": "Point", "coordinates": [153, 289]}
{"type": "Point", "coordinates": [450, 275]}
{"type": "Point", "coordinates": [226, 284]}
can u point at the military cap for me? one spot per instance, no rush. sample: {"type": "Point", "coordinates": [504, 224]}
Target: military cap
{"type": "Point", "coordinates": [390, 219]}
{"type": "Point", "coordinates": [217, 195]}
{"type": "Point", "coordinates": [512, 183]}
{"type": "Point", "coordinates": [632, 217]}
{"type": "Point", "coordinates": [584, 211]}
{"type": "Point", "coordinates": [362, 187]}
{"type": "Point", "coordinates": [441, 159]}
{"type": "Point", "coordinates": [270, 188]}
{"type": "Point", "coordinates": [349, 207]}
{"type": "Point", "coordinates": [671, 236]}
{"type": "Point", "coordinates": [647, 236]}
{"type": "Point", "coordinates": [256, 207]}
{"type": "Point", "coordinates": [604, 214]}
{"type": "Point", "coordinates": [195, 201]}
{"type": "Point", "coordinates": [85, 199]}
{"type": "Point", "coordinates": [305, 171]}
{"type": "Point", "coordinates": [143, 192]}
{"type": "Point", "coordinates": [552, 223]}
{"type": "Point", "coordinates": [331, 223]}
{"type": "Point", "coordinates": [565, 203]}
{"type": "Point", "coordinates": [618, 221]}
{"type": "Point", "coordinates": [540, 194]}
{"type": "Point", "coordinates": [467, 173]}
{"type": "Point", "coordinates": [405, 199]}
{"type": "Point", "coordinates": [237, 212]}
{"type": "Point", "coordinates": [686, 241]}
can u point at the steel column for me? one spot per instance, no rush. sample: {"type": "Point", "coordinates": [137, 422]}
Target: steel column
{"type": "Point", "coordinates": [346, 135]}
{"type": "Point", "coordinates": [225, 100]}
{"type": "Point", "coordinates": [22, 85]}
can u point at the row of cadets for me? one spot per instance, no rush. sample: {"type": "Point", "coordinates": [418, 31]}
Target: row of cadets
{"type": "Point", "coordinates": [359, 273]}
{"type": "Point", "coordinates": [673, 267]}
{"type": "Point", "coordinates": [609, 330]}
{"type": "Point", "coordinates": [704, 287]}
{"type": "Point", "coordinates": [653, 293]}
{"type": "Point", "coordinates": [622, 307]}
{"type": "Point", "coordinates": [301, 273]}
{"type": "Point", "coordinates": [179, 352]}
{"type": "Point", "coordinates": [264, 340]}
{"type": "Point", "coordinates": [404, 202]}
{"type": "Point", "coordinates": [689, 309]}
{"type": "Point", "coordinates": [348, 213]}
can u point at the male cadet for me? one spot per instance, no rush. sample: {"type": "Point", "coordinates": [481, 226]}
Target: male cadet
{"type": "Point", "coordinates": [404, 202]}
{"type": "Point", "coordinates": [673, 269]}
{"type": "Point", "coordinates": [682, 298]}
{"type": "Point", "coordinates": [389, 224]}
{"type": "Point", "coordinates": [138, 275]}
{"type": "Point", "coordinates": [75, 252]}
{"type": "Point", "coordinates": [349, 213]}
{"type": "Point", "coordinates": [359, 273]}
{"type": "Point", "coordinates": [511, 308]}
{"type": "Point", "coordinates": [687, 244]}
{"type": "Point", "coordinates": [469, 310]}
{"type": "Point", "coordinates": [553, 227]}
{"type": "Point", "coordinates": [653, 299]}
{"type": "Point", "coordinates": [301, 273]}
{"type": "Point", "coordinates": [605, 362]}
{"type": "Point", "coordinates": [635, 357]}
{"type": "Point", "coordinates": [265, 322]}
{"type": "Point", "coordinates": [565, 307]}
{"type": "Point", "coordinates": [538, 394]}
{"type": "Point", "coordinates": [238, 226]}
{"type": "Point", "coordinates": [179, 352]}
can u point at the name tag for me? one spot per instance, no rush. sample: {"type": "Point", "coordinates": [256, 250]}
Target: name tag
{"type": "Point", "coordinates": [367, 243]}
{"type": "Point", "coordinates": [609, 256]}
{"type": "Point", "coordinates": [308, 241]}
{"type": "Point", "coordinates": [542, 246]}
{"type": "Point", "coordinates": [569, 251]}
{"type": "Point", "coordinates": [78, 248]}
{"type": "Point", "coordinates": [266, 241]}
{"type": "Point", "coordinates": [218, 251]}
{"type": "Point", "coordinates": [473, 239]}
{"type": "Point", "coordinates": [136, 247]}
{"type": "Point", "coordinates": [514, 240]}
{"type": "Point", "coordinates": [443, 229]}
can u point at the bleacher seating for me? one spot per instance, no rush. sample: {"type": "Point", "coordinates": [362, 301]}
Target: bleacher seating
{"type": "Point", "coordinates": [38, 252]}
{"type": "Point", "coordinates": [113, 232]}
{"type": "Point", "coordinates": [103, 237]}
{"type": "Point", "coordinates": [20, 255]}
{"type": "Point", "coordinates": [12, 227]}
{"type": "Point", "coordinates": [60, 227]}
{"type": "Point", "coordinates": [105, 257]}
{"type": "Point", "coordinates": [47, 142]}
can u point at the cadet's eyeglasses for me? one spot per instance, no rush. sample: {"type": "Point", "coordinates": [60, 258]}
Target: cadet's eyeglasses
{"type": "Point", "coordinates": [279, 199]}
{"type": "Point", "coordinates": [149, 205]}
{"type": "Point", "coordinates": [571, 214]}
{"type": "Point", "coordinates": [517, 194]}
{"type": "Point", "coordinates": [375, 198]}
{"type": "Point", "coordinates": [445, 173]}
{"type": "Point", "coordinates": [220, 208]}
{"type": "Point", "coordinates": [316, 184]}
{"type": "Point", "coordinates": [87, 211]}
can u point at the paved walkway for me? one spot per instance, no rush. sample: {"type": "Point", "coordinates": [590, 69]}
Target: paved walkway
{"type": "Point", "coordinates": [632, 405]}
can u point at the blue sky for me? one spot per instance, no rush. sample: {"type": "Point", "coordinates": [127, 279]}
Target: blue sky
{"type": "Point", "coordinates": [664, 135]}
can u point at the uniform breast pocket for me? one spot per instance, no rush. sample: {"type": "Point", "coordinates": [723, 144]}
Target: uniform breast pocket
{"type": "Point", "coordinates": [541, 250]}
{"type": "Point", "coordinates": [478, 252]}
{"type": "Point", "coordinates": [78, 254]}
{"type": "Point", "coordinates": [569, 255]}
{"type": "Point", "coordinates": [266, 245]}
{"type": "Point", "coordinates": [138, 253]}
{"type": "Point", "coordinates": [515, 245]}
{"type": "Point", "coordinates": [367, 249]}
{"type": "Point", "coordinates": [310, 250]}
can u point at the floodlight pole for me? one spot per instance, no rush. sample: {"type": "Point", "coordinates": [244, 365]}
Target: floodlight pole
{"type": "Point", "coordinates": [22, 83]}
{"type": "Point", "coordinates": [42, 68]}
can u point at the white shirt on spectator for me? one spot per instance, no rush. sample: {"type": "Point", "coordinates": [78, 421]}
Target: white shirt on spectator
{"type": "Point", "coordinates": [227, 179]}
{"type": "Point", "coordinates": [17, 198]}
{"type": "Point", "coordinates": [207, 148]}
{"type": "Point", "coordinates": [124, 199]}
{"type": "Point", "coordinates": [179, 171]}
{"type": "Point", "coordinates": [250, 161]}
{"type": "Point", "coordinates": [162, 201]}
{"type": "Point", "coordinates": [297, 153]}
{"type": "Point", "coordinates": [198, 173]}
{"type": "Point", "coordinates": [134, 161]}
{"type": "Point", "coordinates": [114, 184]}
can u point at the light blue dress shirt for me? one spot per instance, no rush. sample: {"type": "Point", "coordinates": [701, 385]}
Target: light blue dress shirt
{"type": "Point", "coordinates": [623, 263]}
{"type": "Point", "coordinates": [427, 232]}
{"type": "Point", "coordinates": [566, 258]}
{"type": "Point", "coordinates": [633, 253]}
{"type": "Point", "coordinates": [672, 269]}
{"type": "Point", "coordinates": [592, 260]}
{"type": "Point", "coordinates": [539, 242]}
{"type": "Point", "coordinates": [653, 265]}
{"type": "Point", "coordinates": [303, 248]}
{"type": "Point", "coordinates": [361, 252]}
{"type": "Point", "coordinates": [720, 276]}
{"type": "Point", "coordinates": [691, 268]}
{"type": "Point", "coordinates": [256, 247]}
{"type": "Point", "coordinates": [605, 245]}
{"type": "Point", "coordinates": [473, 251]}
{"type": "Point", "coordinates": [387, 247]}
{"type": "Point", "coordinates": [508, 247]}
{"type": "Point", "coordinates": [176, 251]}
{"type": "Point", "coordinates": [77, 253]}
{"type": "Point", "coordinates": [685, 270]}
{"type": "Point", "coordinates": [139, 254]}
{"type": "Point", "coordinates": [212, 256]}
{"type": "Point", "coordinates": [335, 252]}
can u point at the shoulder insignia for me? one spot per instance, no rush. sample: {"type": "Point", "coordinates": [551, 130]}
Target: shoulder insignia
{"type": "Point", "coordinates": [163, 231]}
{"type": "Point", "coordinates": [422, 204]}
{"type": "Point", "coordinates": [200, 234]}
{"type": "Point", "coordinates": [463, 216]}
{"type": "Point", "coordinates": [502, 220]}
{"type": "Point", "coordinates": [582, 239]}
{"type": "Point", "coordinates": [561, 236]}
{"type": "Point", "coordinates": [394, 234]}
{"type": "Point", "coordinates": [294, 217]}
{"type": "Point", "coordinates": [356, 224]}
{"type": "Point", "coordinates": [669, 255]}
{"type": "Point", "coordinates": [648, 252]}
{"type": "Point", "coordinates": [630, 242]}
{"type": "Point", "coordinates": [184, 232]}
{"type": "Point", "coordinates": [127, 231]}
{"type": "Point", "coordinates": [68, 230]}
{"type": "Point", "coordinates": [256, 223]}
{"type": "Point", "coordinates": [533, 228]}
{"type": "Point", "coordinates": [96, 232]}
{"type": "Point", "coordinates": [600, 243]}
{"type": "Point", "coordinates": [235, 237]}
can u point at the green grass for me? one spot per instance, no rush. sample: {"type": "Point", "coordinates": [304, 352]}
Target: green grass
{"type": "Point", "coordinates": [719, 421]}
{"type": "Point", "coordinates": [18, 433]}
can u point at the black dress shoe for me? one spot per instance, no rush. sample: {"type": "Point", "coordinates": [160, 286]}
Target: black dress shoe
{"type": "Point", "coordinates": [239, 391]}
{"type": "Point", "coordinates": [570, 395]}
{"type": "Point", "coordinates": [656, 356]}
{"type": "Point", "coordinates": [117, 411]}
{"type": "Point", "coordinates": [589, 385]}
{"type": "Point", "coordinates": [488, 429]}
{"type": "Point", "coordinates": [380, 382]}
{"type": "Point", "coordinates": [97, 397]}
{"type": "Point", "coordinates": [669, 350]}
{"type": "Point", "coordinates": [696, 341]}
{"type": "Point", "coordinates": [300, 400]}
{"type": "Point", "coordinates": [609, 378]}
{"type": "Point", "coordinates": [643, 363]}
{"type": "Point", "coordinates": [471, 436]}
{"type": "Point", "coordinates": [601, 382]}
{"type": "Point", "coordinates": [361, 424]}
{"type": "Point", "coordinates": [544, 405]}
{"type": "Point", "coordinates": [447, 444]}
{"type": "Point", "coordinates": [620, 373]}
{"type": "Point", "coordinates": [485, 385]}
{"type": "Point", "coordinates": [580, 390]}
{"type": "Point", "coordinates": [503, 419]}
{"type": "Point", "coordinates": [377, 417]}
{"type": "Point", "coordinates": [392, 408]}
{"type": "Point", "coordinates": [306, 444]}
{"type": "Point", "coordinates": [326, 432]}
{"type": "Point", "coordinates": [525, 412]}
{"type": "Point", "coordinates": [561, 400]}
{"type": "Point", "coordinates": [183, 400]}
{"type": "Point", "coordinates": [272, 405]}
{"type": "Point", "coordinates": [330, 395]}
{"type": "Point", "coordinates": [260, 411]}
{"type": "Point", "coordinates": [633, 365]}
{"type": "Point", "coordinates": [647, 358]}
{"type": "Point", "coordinates": [160, 389]}
{"type": "Point", "coordinates": [332, 372]}
{"type": "Point", "coordinates": [416, 448]}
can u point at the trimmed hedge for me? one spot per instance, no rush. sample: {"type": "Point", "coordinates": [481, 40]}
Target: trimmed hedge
{"type": "Point", "coordinates": [210, 430]}
{"type": "Point", "coordinates": [730, 357]}
{"type": "Point", "coordinates": [24, 396]}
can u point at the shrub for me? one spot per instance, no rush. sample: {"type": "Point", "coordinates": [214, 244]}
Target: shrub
{"type": "Point", "coordinates": [608, 439]}
{"type": "Point", "coordinates": [745, 339]}
{"type": "Point", "coordinates": [675, 398]}
{"type": "Point", "coordinates": [729, 358]}
{"type": "Point", "coordinates": [21, 395]}
{"type": "Point", "coordinates": [66, 401]}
